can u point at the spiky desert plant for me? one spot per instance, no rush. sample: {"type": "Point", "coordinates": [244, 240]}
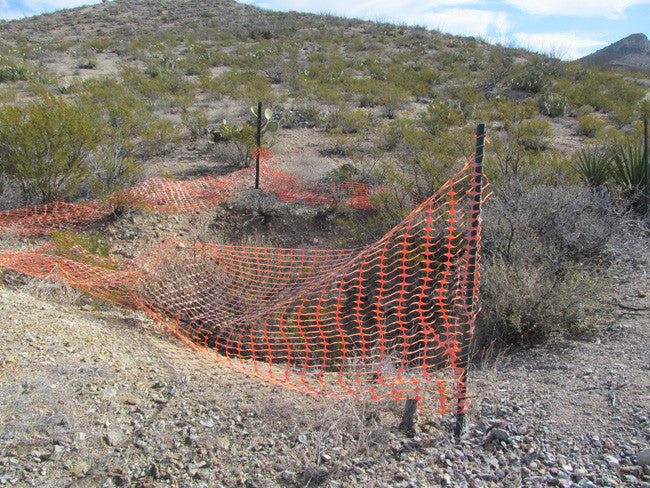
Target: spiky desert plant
{"type": "Point", "coordinates": [628, 170]}
{"type": "Point", "coordinates": [593, 165]}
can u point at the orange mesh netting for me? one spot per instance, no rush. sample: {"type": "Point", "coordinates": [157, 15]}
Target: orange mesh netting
{"type": "Point", "coordinates": [167, 195]}
{"type": "Point", "coordinates": [388, 320]}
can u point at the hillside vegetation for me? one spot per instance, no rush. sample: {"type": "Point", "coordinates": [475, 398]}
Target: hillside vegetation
{"type": "Point", "coordinates": [95, 98]}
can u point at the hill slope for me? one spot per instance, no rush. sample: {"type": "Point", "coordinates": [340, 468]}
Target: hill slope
{"type": "Point", "coordinates": [631, 53]}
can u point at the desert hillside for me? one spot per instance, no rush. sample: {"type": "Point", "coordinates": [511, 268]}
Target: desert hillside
{"type": "Point", "coordinates": [122, 95]}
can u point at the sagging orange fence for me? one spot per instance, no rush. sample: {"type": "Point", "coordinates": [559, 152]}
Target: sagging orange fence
{"type": "Point", "coordinates": [168, 195]}
{"type": "Point", "coordinates": [390, 320]}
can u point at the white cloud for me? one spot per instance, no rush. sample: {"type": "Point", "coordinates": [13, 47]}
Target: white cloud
{"type": "Point", "coordinates": [612, 9]}
{"type": "Point", "coordinates": [24, 8]}
{"type": "Point", "coordinates": [467, 22]}
{"type": "Point", "coordinates": [390, 10]}
{"type": "Point", "coordinates": [565, 45]}
{"type": "Point", "coordinates": [51, 5]}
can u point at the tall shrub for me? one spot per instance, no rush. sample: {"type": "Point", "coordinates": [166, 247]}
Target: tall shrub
{"type": "Point", "coordinates": [44, 145]}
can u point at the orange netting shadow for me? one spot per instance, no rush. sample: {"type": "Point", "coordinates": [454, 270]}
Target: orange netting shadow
{"type": "Point", "coordinates": [387, 320]}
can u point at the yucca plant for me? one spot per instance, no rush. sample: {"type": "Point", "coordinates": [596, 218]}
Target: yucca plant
{"type": "Point", "coordinates": [594, 165]}
{"type": "Point", "coordinates": [628, 170]}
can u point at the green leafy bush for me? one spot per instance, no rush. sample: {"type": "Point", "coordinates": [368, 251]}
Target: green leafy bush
{"type": "Point", "coordinates": [534, 135]}
{"type": "Point", "coordinates": [348, 121]}
{"type": "Point", "coordinates": [439, 116]}
{"type": "Point", "coordinates": [589, 125]}
{"type": "Point", "coordinates": [45, 146]}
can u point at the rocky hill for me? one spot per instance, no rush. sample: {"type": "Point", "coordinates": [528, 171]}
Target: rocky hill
{"type": "Point", "coordinates": [631, 53]}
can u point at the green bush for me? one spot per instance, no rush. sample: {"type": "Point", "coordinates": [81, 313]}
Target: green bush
{"type": "Point", "coordinates": [552, 104]}
{"type": "Point", "coordinates": [439, 116]}
{"type": "Point", "coordinates": [45, 146]}
{"type": "Point", "coordinates": [196, 121]}
{"type": "Point", "coordinates": [12, 71]}
{"type": "Point", "coordinates": [348, 121]}
{"type": "Point", "coordinates": [534, 135]}
{"type": "Point", "coordinates": [589, 125]}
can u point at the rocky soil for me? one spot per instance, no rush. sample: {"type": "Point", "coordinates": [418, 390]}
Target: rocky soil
{"type": "Point", "coordinates": [92, 395]}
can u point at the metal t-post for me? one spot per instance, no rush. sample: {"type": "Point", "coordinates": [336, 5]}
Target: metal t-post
{"type": "Point", "coordinates": [647, 168]}
{"type": "Point", "coordinates": [465, 341]}
{"type": "Point", "coordinates": [259, 145]}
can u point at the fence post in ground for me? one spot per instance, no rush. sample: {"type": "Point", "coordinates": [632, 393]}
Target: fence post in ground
{"type": "Point", "coordinates": [474, 236]}
{"type": "Point", "coordinates": [407, 425]}
{"type": "Point", "coordinates": [259, 145]}
{"type": "Point", "coordinates": [647, 167]}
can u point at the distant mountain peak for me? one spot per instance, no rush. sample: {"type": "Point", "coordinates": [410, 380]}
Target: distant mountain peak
{"type": "Point", "coordinates": [631, 53]}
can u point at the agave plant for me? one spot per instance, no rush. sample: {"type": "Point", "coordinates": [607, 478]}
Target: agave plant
{"type": "Point", "coordinates": [594, 165]}
{"type": "Point", "coordinates": [628, 170]}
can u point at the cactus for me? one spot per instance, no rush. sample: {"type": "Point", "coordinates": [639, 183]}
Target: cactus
{"type": "Point", "coordinates": [244, 137]}
{"type": "Point", "coordinates": [268, 125]}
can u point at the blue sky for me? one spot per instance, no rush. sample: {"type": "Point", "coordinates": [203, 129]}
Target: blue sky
{"type": "Point", "coordinates": [565, 28]}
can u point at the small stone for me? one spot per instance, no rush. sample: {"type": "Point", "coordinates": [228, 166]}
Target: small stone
{"type": "Point", "coordinates": [585, 483]}
{"type": "Point", "coordinates": [632, 480]}
{"type": "Point", "coordinates": [79, 469]}
{"type": "Point", "coordinates": [114, 438]}
{"type": "Point", "coordinates": [643, 457]}
{"type": "Point", "coordinates": [580, 473]}
{"type": "Point", "coordinates": [222, 443]}
{"type": "Point", "coordinates": [498, 434]}
{"type": "Point", "coordinates": [612, 461]}
{"type": "Point", "coordinates": [287, 475]}
{"type": "Point", "coordinates": [108, 393]}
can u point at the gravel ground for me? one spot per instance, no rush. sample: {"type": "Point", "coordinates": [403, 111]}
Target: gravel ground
{"type": "Point", "coordinates": [99, 398]}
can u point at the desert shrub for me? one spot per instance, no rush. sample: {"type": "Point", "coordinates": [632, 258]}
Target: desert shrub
{"type": "Point", "coordinates": [196, 121]}
{"type": "Point", "coordinates": [247, 87]}
{"type": "Point", "coordinates": [533, 135]}
{"type": "Point", "coordinates": [589, 125]}
{"type": "Point", "coordinates": [552, 104]}
{"type": "Point", "coordinates": [14, 71]}
{"type": "Point", "coordinates": [243, 140]}
{"type": "Point", "coordinates": [348, 121]}
{"type": "Point", "coordinates": [87, 63]}
{"type": "Point", "coordinates": [532, 80]}
{"type": "Point", "coordinates": [439, 116]}
{"type": "Point", "coordinates": [603, 91]}
{"type": "Point", "coordinates": [622, 114]}
{"type": "Point", "coordinates": [541, 260]}
{"type": "Point", "coordinates": [644, 109]}
{"type": "Point", "coordinates": [44, 146]}
{"type": "Point", "coordinates": [392, 99]}
{"type": "Point", "coordinates": [340, 143]}
{"type": "Point", "coordinates": [418, 80]}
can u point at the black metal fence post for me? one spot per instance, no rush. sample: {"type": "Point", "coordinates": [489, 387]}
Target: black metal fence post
{"type": "Point", "coordinates": [259, 145]}
{"type": "Point", "coordinates": [647, 167]}
{"type": "Point", "coordinates": [471, 271]}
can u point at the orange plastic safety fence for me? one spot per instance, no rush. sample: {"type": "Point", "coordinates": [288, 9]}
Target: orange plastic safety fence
{"type": "Point", "coordinates": [384, 321]}
{"type": "Point", "coordinates": [167, 195]}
